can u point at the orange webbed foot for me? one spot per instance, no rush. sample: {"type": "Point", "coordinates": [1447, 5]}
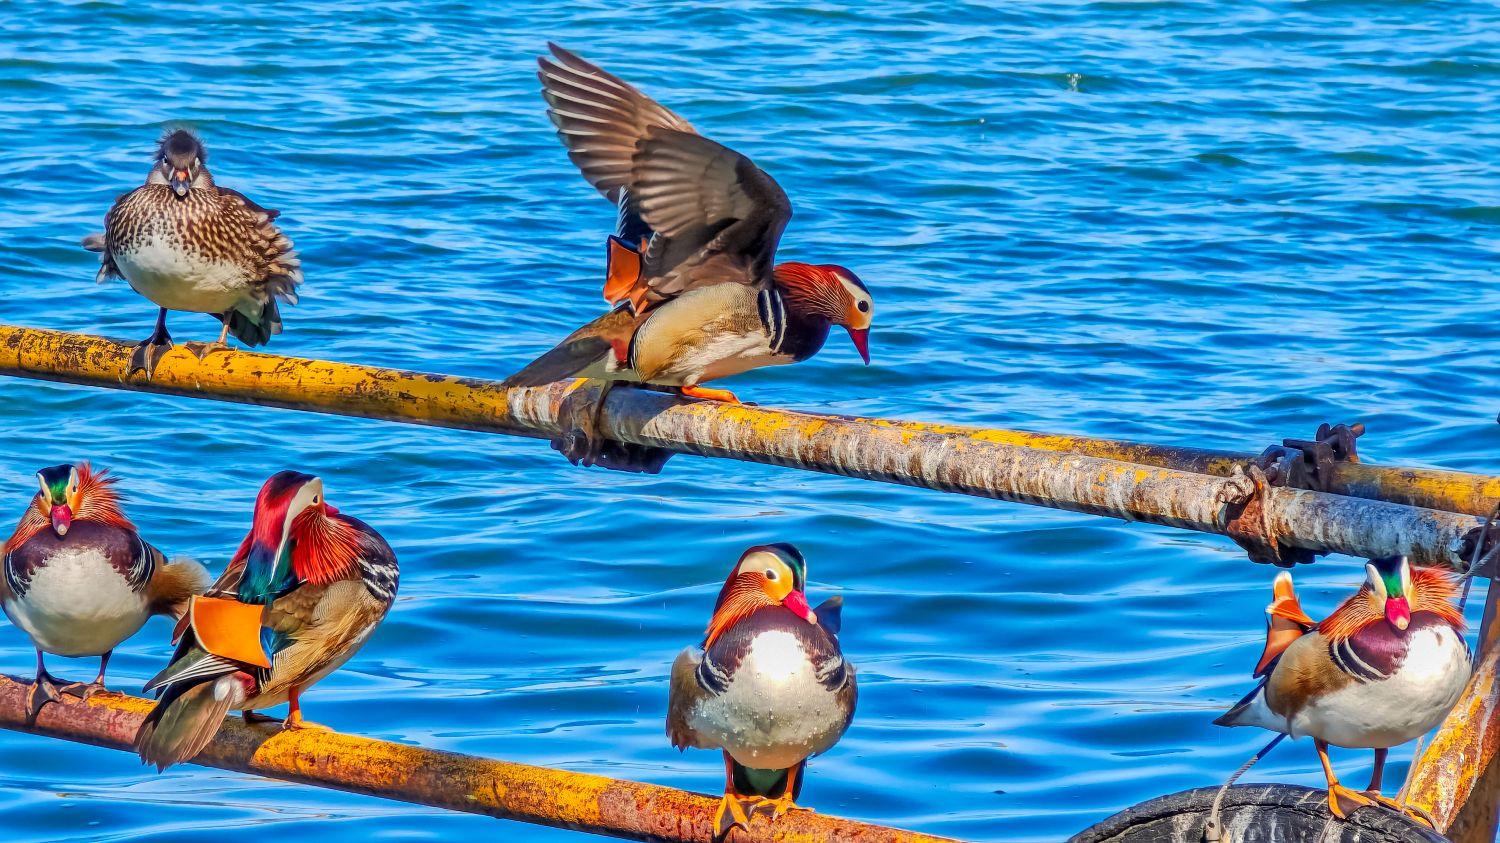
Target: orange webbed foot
{"type": "Point", "coordinates": [294, 722]}
{"type": "Point", "coordinates": [731, 813]}
{"type": "Point", "coordinates": [709, 394]}
{"type": "Point", "coordinates": [779, 806]}
{"type": "Point", "coordinates": [1342, 800]}
{"type": "Point", "coordinates": [1412, 811]}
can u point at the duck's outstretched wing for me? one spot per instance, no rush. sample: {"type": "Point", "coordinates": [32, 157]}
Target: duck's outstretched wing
{"type": "Point", "coordinates": [697, 212]}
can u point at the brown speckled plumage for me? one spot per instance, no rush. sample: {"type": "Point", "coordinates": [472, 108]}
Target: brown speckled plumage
{"type": "Point", "coordinates": [201, 248]}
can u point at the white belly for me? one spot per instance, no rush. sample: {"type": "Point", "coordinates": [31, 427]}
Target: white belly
{"type": "Point", "coordinates": [720, 357]}
{"type": "Point", "coordinates": [78, 605]}
{"type": "Point", "coordinates": [774, 713]}
{"type": "Point", "coordinates": [1384, 714]}
{"type": "Point", "coordinates": [161, 269]}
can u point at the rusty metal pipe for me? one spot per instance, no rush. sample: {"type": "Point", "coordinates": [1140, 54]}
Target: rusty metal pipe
{"type": "Point", "coordinates": [917, 455]}
{"type": "Point", "coordinates": [540, 795]}
{"type": "Point", "coordinates": [90, 360]}
{"type": "Point", "coordinates": [1457, 777]}
{"type": "Point", "coordinates": [1429, 488]}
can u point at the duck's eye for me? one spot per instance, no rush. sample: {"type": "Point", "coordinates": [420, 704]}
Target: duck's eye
{"type": "Point", "coordinates": [317, 498]}
{"type": "Point", "coordinates": [864, 307]}
{"type": "Point", "coordinates": [770, 575]}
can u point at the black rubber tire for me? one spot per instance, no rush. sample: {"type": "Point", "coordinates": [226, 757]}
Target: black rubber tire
{"type": "Point", "coordinates": [1254, 813]}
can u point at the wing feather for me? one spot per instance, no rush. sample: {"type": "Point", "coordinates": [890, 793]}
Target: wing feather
{"type": "Point", "coordinates": [684, 695]}
{"type": "Point", "coordinates": [707, 214]}
{"type": "Point", "coordinates": [599, 117]}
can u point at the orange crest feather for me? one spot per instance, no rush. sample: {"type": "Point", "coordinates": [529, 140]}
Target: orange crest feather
{"type": "Point", "coordinates": [1432, 590]}
{"type": "Point", "coordinates": [97, 501]}
{"type": "Point", "coordinates": [326, 549]}
{"type": "Point", "coordinates": [811, 290]}
{"type": "Point", "coordinates": [742, 597]}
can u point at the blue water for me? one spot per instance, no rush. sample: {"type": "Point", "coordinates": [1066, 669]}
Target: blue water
{"type": "Point", "coordinates": [1189, 223]}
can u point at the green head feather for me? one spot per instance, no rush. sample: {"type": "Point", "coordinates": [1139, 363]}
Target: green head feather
{"type": "Point", "coordinates": [54, 481]}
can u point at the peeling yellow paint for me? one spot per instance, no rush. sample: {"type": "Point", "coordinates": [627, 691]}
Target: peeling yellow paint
{"type": "Point", "coordinates": [1453, 764]}
{"type": "Point", "coordinates": [447, 780]}
{"type": "Point", "coordinates": [1162, 485]}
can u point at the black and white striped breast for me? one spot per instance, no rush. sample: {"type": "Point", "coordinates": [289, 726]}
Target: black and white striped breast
{"type": "Point", "coordinates": [772, 308]}
{"type": "Point", "coordinates": [378, 569]}
{"type": "Point", "coordinates": [819, 647]}
{"type": "Point", "coordinates": [796, 336]}
{"type": "Point", "coordinates": [1377, 652]}
{"type": "Point", "coordinates": [124, 550]}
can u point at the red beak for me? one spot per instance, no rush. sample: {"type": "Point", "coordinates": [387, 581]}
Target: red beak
{"type": "Point", "coordinates": [62, 519]}
{"type": "Point", "coordinates": [861, 339]}
{"type": "Point", "coordinates": [1398, 612]}
{"type": "Point", "coordinates": [796, 601]}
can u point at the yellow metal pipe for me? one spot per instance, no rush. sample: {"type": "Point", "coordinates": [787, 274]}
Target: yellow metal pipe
{"type": "Point", "coordinates": [540, 795]}
{"type": "Point", "coordinates": [22, 352]}
{"type": "Point", "coordinates": [1457, 777]}
{"type": "Point", "coordinates": [930, 456]}
{"type": "Point", "coordinates": [1429, 488]}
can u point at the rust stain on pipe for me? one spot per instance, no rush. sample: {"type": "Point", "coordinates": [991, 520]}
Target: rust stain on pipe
{"type": "Point", "coordinates": [1457, 779]}
{"type": "Point", "coordinates": [541, 795]}
{"type": "Point", "coordinates": [983, 463]}
{"type": "Point", "coordinates": [1429, 488]}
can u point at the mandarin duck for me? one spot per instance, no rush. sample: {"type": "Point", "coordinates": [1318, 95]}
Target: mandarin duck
{"type": "Point", "coordinates": [691, 271]}
{"type": "Point", "coordinates": [79, 579]}
{"type": "Point", "coordinates": [304, 591]}
{"type": "Point", "coordinates": [1382, 670]}
{"type": "Point", "coordinates": [768, 686]}
{"type": "Point", "coordinates": [187, 244]}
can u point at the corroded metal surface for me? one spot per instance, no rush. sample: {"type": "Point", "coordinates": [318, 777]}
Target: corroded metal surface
{"type": "Point", "coordinates": [1457, 779]}
{"type": "Point", "coordinates": [982, 463]}
{"type": "Point", "coordinates": [1452, 491]}
{"type": "Point", "coordinates": [541, 795]}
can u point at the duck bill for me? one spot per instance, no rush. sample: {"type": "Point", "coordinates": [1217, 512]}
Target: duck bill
{"type": "Point", "coordinates": [861, 338]}
{"type": "Point", "coordinates": [1398, 612]}
{"type": "Point", "coordinates": [796, 602]}
{"type": "Point", "coordinates": [62, 519]}
{"type": "Point", "coordinates": [181, 180]}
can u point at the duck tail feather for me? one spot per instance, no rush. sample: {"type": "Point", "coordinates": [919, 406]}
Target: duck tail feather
{"type": "Point", "coordinates": [185, 719]}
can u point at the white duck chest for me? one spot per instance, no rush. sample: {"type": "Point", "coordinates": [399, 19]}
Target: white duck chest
{"type": "Point", "coordinates": [1374, 715]}
{"type": "Point", "coordinates": [78, 604]}
{"type": "Point", "coordinates": [160, 265]}
{"type": "Point", "coordinates": [775, 712]}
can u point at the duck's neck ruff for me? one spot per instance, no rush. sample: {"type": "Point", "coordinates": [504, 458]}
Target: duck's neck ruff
{"type": "Point", "coordinates": [325, 548]}
{"type": "Point", "coordinates": [97, 502]}
{"type": "Point", "coordinates": [1431, 591]}
{"type": "Point", "coordinates": [810, 291]}
{"type": "Point", "coordinates": [740, 598]}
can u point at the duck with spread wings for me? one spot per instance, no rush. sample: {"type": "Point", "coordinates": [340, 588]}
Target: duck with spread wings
{"type": "Point", "coordinates": [695, 292]}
